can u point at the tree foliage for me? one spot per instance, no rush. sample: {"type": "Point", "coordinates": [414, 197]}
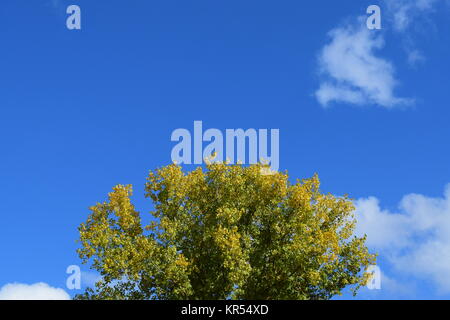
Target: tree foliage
{"type": "Point", "coordinates": [224, 232]}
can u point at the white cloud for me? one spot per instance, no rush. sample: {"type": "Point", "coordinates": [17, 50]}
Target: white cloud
{"type": "Point", "coordinates": [384, 229]}
{"type": "Point", "coordinates": [353, 73]}
{"type": "Point", "coordinates": [352, 70]}
{"type": "Point", "coordinates": [37, 291]}
{"type": "Point", "coordinates": [404, 12]}
{"type": "Point", "coordinates": [414, 57]}
{"type": "Point", "coordinates": [415, 239]}
{"type": "Point", "coordinates": [409, 17]}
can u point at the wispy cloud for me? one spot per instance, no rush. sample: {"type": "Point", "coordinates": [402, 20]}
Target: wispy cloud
{"type": "Point", "coordinates": [414, 57]}
{"type": "Point", "coordinates": [404, 12]}
{"type": "Point", "coordinates": [352, 72]}
{"type": "Point", "coordinates": [55, 3]}
{"type": "Point", "coordinates": [89, 279]}
{"type": "Point", "coordinates": [409, 19]}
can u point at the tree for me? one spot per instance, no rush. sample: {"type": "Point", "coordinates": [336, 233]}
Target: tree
{"type": "Point", "coordinates": [227, 232]}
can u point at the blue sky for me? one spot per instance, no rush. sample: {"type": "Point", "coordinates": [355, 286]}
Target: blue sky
{"type": "Point", "coordinates": [84, 110]}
